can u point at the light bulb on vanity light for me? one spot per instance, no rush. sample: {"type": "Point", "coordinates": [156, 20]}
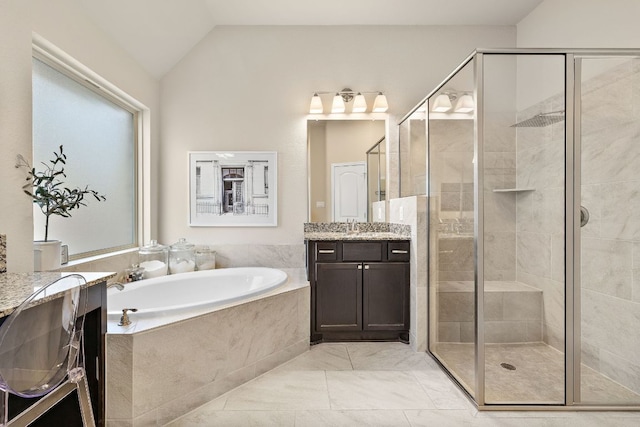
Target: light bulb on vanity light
{"type": "Point", "coordinates": [442, 104]}
{"type": "Point", "coordinates": [380, 104]}
{"type": "Point", "coordinates": [316, 105]}
{"type": "Point", "coordinates": [465, 104]}
{"type": "Point", "coordinates": [338, 104]}
{"type": "Point", "coordinates": [359, 104]}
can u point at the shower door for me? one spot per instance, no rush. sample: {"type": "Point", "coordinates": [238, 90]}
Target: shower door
{"type": "Point", "coordinates": [607, 292]}
{"type": "Point", "coordinates": [522, 174]}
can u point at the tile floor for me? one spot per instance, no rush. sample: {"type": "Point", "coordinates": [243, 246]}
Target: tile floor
{"type": "Point", "coordinates": [369, 384]}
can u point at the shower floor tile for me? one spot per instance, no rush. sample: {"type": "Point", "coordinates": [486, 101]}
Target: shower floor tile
{"type": "Point", "coordinates": [538, 377]}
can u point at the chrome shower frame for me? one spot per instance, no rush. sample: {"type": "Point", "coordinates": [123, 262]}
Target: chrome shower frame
{"type": "Point", "coordinates": [572, 168]}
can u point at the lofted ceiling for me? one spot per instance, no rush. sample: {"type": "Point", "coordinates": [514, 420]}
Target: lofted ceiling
{"type": "Point", "coordinates": [158, 33]}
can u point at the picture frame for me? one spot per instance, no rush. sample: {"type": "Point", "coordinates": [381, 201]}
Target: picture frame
{"type": "Point", "coordinates": [233, 188]}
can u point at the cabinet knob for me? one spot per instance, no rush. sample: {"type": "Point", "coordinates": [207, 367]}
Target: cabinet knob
{"type": "Point", "coordinates": [366, 267]}
{"type": "Point", "coordinates": [359, 267]}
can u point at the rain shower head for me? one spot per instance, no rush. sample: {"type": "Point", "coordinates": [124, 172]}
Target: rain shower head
{"type": "Point", "coordinates": [541, 120]}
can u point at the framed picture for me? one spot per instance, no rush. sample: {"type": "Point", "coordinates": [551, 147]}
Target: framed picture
{"type": "Point", "coordinates": [233, 189]}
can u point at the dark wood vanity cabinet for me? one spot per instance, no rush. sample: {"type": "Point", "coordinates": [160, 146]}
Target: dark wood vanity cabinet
{"type": "Point", "coordinates": [359, 290]}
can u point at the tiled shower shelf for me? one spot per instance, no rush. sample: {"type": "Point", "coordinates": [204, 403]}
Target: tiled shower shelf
{"type": "Point", "coordinates": [512, 190]}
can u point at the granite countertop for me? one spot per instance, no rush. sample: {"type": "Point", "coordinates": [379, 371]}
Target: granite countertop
{"type": "Point", "coordinates": [365, 231]}
{"type": "Point", "coordinates": [16, 287]}
{"type": "Point", "coordinates": [333, 235]}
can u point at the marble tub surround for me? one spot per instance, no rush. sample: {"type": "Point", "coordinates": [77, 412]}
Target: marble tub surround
{"type": "Point", "coordinates": [16, 287]}
{"type": "Point", "coordinates": [365, 231]}
{"type": "Point", "coordinates": [159, 374]}
{"type": "Point", "coordinates": [276, 256]}
{"type": "Point", "coordinates": [3, 253]}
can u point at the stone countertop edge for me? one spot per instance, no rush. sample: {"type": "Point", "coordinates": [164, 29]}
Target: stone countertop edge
{"type": "Point", "coordinates": [371, 236]}
{"type": "Point", "coordinates": [17, 287]}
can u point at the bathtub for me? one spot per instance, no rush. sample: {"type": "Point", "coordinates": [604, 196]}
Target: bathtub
{"type": "Point", "coordinates": [198, 335]}
{"type": "Point", "coordinates": [192, 292]}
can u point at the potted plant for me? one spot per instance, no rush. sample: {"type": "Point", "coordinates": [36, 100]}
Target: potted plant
{"type": "Point", "coordinates": [47, 190]}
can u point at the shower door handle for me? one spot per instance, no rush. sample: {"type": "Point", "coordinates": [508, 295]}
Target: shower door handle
{"type": "Point", "coordinates": [584, 216]}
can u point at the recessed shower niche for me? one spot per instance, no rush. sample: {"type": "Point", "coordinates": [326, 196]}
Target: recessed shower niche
{"type": "Point", "coordinates": [527, 309]}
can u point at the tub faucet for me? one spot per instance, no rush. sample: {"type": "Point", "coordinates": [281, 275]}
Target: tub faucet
{"type": "Point", "coordinates": [118, 286]}
{"type": "Point", "coordinates": [124, 320]}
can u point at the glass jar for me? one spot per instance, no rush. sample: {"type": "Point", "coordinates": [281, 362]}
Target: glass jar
{"type": "Point", "coordinates": [154, 258]}
{"type": "Point", "coordinates": [205, 258]}
{"type": "Point", "coordinates": [182, 257]}
{"type": "Point", "coordinates": [133, 273]}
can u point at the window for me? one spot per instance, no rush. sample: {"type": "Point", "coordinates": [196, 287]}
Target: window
{"type": "Point", "coordinates": [99, 133]}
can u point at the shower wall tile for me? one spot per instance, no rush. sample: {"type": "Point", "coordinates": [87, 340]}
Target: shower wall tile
{"type": "Point", "coordinates": [553, 298]}
{"type": "Point", "coordinates": [636, 273]}
{"type": "Point", "coordinates": [534, 254]}
{"type": "Point", "coordinates": [499, 135]}
{"type": "Point", "coordinates": [499, 255]}
{"type": "Point", "coordinates": [548, 211]}
{"type": "Point", "coordinates": [611, 155]}
{"type": "Point", "coordinates": [623, 371]}
{"type": "Point", "coordinates": [449, 332]}
{"type": "Point", "coordinates": [620, 207]}
{"type": "Point", "coordinates": [499, 212]}
{"type": "Point", "coordinates": [553, 336]}
{"type": "Point", "coordinates": [541, 166]}
{"type": "Point", "coordinates": [451, 135]}
{"type": "Point", "coordinates": [523, 306]}
{"type": "Point", "coordinates": [607, 267]}
{"type": "Point", "coordinates": [610, 323]}
{"type": "Point", "coordinates": [591, 197]}
{"type": "Point", "coordinates": [557, 258]}
{"type": "Point", "coordinates": [509, 332]}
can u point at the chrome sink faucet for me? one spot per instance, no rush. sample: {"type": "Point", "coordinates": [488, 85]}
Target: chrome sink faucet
{"type": "Point", "coordinates": [352, 226]}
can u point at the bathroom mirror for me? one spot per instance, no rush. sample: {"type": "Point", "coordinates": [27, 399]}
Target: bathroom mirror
{"type": "Point", "coordinates": [339, 186]}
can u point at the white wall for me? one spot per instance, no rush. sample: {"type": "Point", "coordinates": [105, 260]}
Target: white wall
{"type": "Point", "coordinates": [572, 24]}
{"type": "Point", "coordinates": [582, 24]}
{"type": "Point", "coordinates": [63, 23]}
{"type": "Point", "coordinates": [248, 88]}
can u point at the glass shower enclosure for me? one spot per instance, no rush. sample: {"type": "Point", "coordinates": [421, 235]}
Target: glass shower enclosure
{"type": "Point", "coordinates": [534, 227]}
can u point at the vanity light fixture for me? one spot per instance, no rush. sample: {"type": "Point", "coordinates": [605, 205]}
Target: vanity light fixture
{"type": "Point", "coordinates": [316, 105]}
{"type": "Point", "coordinates": [442, 104]}
{"type": "Point", "coordinates": [465, 104]}
{"type": "Point", "coordinates": [343, 97]}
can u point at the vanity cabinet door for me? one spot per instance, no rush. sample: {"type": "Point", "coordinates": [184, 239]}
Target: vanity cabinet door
{"type": "Point", "coordinates": [386, 296]}
{"type": "Point", "coordinates": [338, 296]}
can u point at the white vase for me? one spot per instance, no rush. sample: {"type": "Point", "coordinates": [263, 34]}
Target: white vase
{"type": "Point", "coordinates": [46, 255]}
